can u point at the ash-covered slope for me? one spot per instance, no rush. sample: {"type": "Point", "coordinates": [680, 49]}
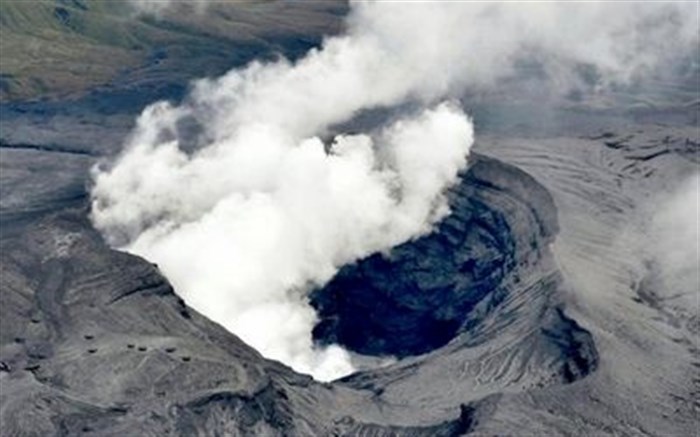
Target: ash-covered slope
{"type": "Point", "coordinates": [95, 341]}
{"type": "Point", "coordinates": [611, 187]}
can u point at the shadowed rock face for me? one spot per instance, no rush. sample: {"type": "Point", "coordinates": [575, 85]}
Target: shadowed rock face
{"type": "Point", "coordinates": [420, 296]}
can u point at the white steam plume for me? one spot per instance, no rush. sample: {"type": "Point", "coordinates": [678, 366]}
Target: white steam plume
{"type": "Point", "coordinates": [674, 244]}
{"type": "Point", "coordinates": [245, 226]}
{"type": "Point", "coordinates": [262, 210]}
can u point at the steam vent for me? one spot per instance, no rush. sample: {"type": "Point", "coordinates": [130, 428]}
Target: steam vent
{"type": "Point", "coordinates": [340, 218]}
{"type": "Point", "coordinates": [427, 291]}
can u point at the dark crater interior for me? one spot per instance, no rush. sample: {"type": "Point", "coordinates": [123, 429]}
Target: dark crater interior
{"type": "Point", "coordinates": [425, 292]}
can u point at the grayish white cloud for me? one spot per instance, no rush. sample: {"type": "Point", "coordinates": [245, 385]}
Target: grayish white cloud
{"type": "Point", "coordinates": [261, 210]}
